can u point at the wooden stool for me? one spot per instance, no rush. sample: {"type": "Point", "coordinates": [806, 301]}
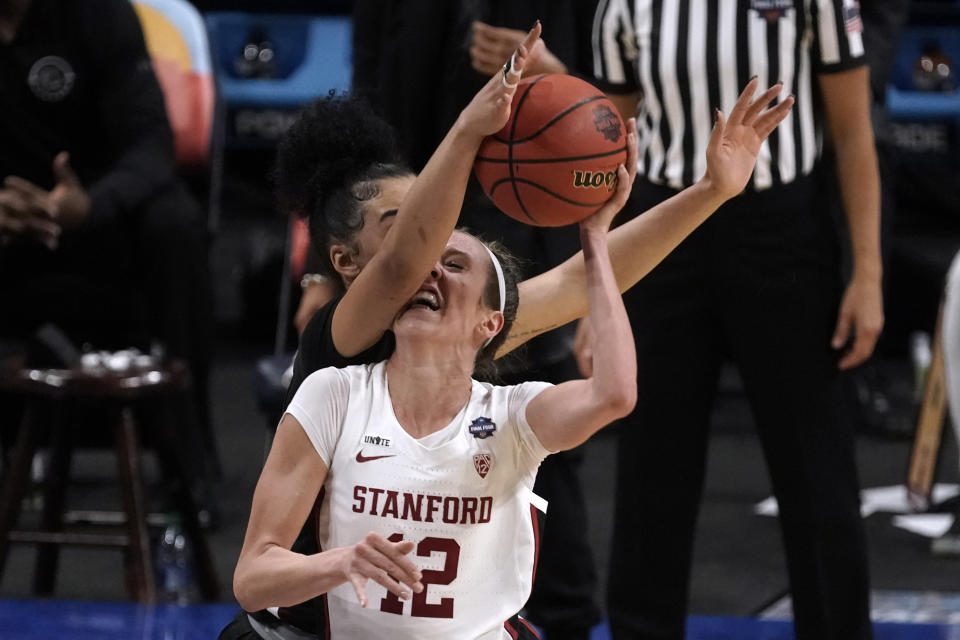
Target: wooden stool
{"type": "Point", "coordinates": [117, 393]}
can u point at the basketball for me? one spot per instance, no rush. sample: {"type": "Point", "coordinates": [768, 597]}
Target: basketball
{"type": "Point", "coordinates": [555, 161]}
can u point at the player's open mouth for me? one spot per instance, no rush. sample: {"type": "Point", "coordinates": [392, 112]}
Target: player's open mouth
{"type": "Point", "coordinates": [426, 299]}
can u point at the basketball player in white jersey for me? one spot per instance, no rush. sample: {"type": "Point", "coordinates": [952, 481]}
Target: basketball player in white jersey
{"type": "Point", "coordinates": [427, 518]}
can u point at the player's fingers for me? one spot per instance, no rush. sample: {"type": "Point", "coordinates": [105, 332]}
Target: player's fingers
{"type": "Point", "coordinates": [387, 582]}
{"type": "Point", "coordinates": [716, 135]}
{"type": "Point", "coordinates": [359, 583]}
{"type": "Point", "coordinates": [395, 562]}
{"type": "Point", "coordinates": [771, 118]}
{"type": "Point", "coordinates": [632, 152]}
{"type": "Point", "coordinates": [624, 185]}
{"type": "Point", "coordinates": [743, 102]}
{"type": "Point", "coordinates": [760, 103]}
{"type": "Point", "coordinates": [532, 36]}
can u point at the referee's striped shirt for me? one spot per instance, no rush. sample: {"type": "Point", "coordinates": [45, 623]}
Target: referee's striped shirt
{"type": "Point", "coordinates": [688, 57]}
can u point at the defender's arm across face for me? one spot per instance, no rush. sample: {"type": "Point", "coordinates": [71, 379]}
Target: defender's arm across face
{"type": "Point", "coordinates": [426, 217]}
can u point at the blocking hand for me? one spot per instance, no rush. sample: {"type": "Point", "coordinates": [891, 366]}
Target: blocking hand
{"type": "Point", "coordinates": [735, 141]}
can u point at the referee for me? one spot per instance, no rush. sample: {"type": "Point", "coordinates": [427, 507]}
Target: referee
{"type": "Point", "coordinates": [758, 283]}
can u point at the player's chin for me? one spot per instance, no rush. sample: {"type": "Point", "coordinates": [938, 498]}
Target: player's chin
{"type": "Point", "coordinates": [417, 317]}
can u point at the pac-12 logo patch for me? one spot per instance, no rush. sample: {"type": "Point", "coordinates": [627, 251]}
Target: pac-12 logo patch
{"type": "Point", "coordinates": [482, 462]}
{"type": "Point", "coordinates": [482, 428]}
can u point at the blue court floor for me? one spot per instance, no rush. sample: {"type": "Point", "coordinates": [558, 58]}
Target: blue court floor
{"type": "Point", "coordinates": [48, 619]}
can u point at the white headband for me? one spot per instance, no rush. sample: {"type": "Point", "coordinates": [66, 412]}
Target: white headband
{"type": "Point", "coordinates": [501, 283]}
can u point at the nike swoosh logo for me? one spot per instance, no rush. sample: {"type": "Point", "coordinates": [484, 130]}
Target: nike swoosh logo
{"type": "Point", "coordinates": [363, 458]}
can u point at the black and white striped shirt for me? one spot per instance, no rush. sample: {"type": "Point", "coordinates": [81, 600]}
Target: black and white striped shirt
{"type": "Point", "coordinates": [688, 57]}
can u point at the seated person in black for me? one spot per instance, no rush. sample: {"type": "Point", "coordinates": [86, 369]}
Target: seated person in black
{"type": "Point", "coordinates": [97, 234]}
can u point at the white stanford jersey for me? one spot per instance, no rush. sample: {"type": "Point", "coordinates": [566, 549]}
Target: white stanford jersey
{"type": "Point", "coordinates": [462, 494]}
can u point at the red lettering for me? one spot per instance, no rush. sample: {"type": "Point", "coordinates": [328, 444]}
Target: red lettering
{"type": "Point", "coordinates": [376, 495]}
{"type": "Point", "coordinates": [420, 607]}
{"type": "Point", "coordinates": [358, 493]}
{"type": "Point", "coordinates": [411, 509]}
{"type": "Point", "coordinates": [450, 516]}
{"type": "Point", "coordinates": [390, 508]}
{"type": "Point", "coordinates": [432, 506]}
{"type": "Point", "coordinates": [469, 507]}
{"type": "Point", "coordinates": [486, 506]}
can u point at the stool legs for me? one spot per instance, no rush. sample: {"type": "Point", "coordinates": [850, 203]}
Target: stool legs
{"type": "Point", "coordinates": [141, 580]}
{"type": "Point", "coordinates": [17, 475]}
{"type": "Point", "coordinates": [57, 478]}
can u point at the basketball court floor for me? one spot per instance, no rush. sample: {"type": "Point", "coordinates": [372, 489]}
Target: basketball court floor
{"type": "Point", "coordinates": [45, 619]}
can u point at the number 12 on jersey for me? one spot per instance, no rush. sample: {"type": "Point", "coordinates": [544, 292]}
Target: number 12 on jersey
{"type": "Point", "coordinates": [420, 608]}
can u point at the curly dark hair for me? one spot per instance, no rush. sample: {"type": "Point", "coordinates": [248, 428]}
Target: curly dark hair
{"type": "Point", "coordinates": [328, 164]}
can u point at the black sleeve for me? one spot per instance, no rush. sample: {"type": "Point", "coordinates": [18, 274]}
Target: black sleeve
{"type": "Point", "coordinates": [317, 352]}
{"type": "Point", "coordinates": [132, 103]}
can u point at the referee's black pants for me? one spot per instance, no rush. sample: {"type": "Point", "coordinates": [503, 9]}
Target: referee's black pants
{"type": "Point", "coordinates": [758, 283]}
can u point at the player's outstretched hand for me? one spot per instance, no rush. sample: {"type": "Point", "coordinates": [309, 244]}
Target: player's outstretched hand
{"type": "Point", "coordinates": [386, 563]}
{"type": "Point", "coordinates": [490, 108]}
{"type": "Point", "coordinates": [735, 140]}
{"type": "Point", "coordinates": [625, 175]}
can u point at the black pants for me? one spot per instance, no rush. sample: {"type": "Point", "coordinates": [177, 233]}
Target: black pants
{"type": "Point", "coordinates": [563, 601]}
{"type": "Point", "coordinates": [757, 283]}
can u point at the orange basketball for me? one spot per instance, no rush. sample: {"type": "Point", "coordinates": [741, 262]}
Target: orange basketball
{"type": "Point", "coordinates": [555, 162]}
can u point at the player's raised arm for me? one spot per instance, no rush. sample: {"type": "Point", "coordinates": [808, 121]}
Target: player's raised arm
{"type": "Point", "coordinates": [557, 297]}
{"type": "Point", "coordinates": [427, 215]}
{"type": "Point", "coordinates": [565, 415]}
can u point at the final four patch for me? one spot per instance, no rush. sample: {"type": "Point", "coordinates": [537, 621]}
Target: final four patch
{"type": "Point", "coordinates": [482, 428]}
